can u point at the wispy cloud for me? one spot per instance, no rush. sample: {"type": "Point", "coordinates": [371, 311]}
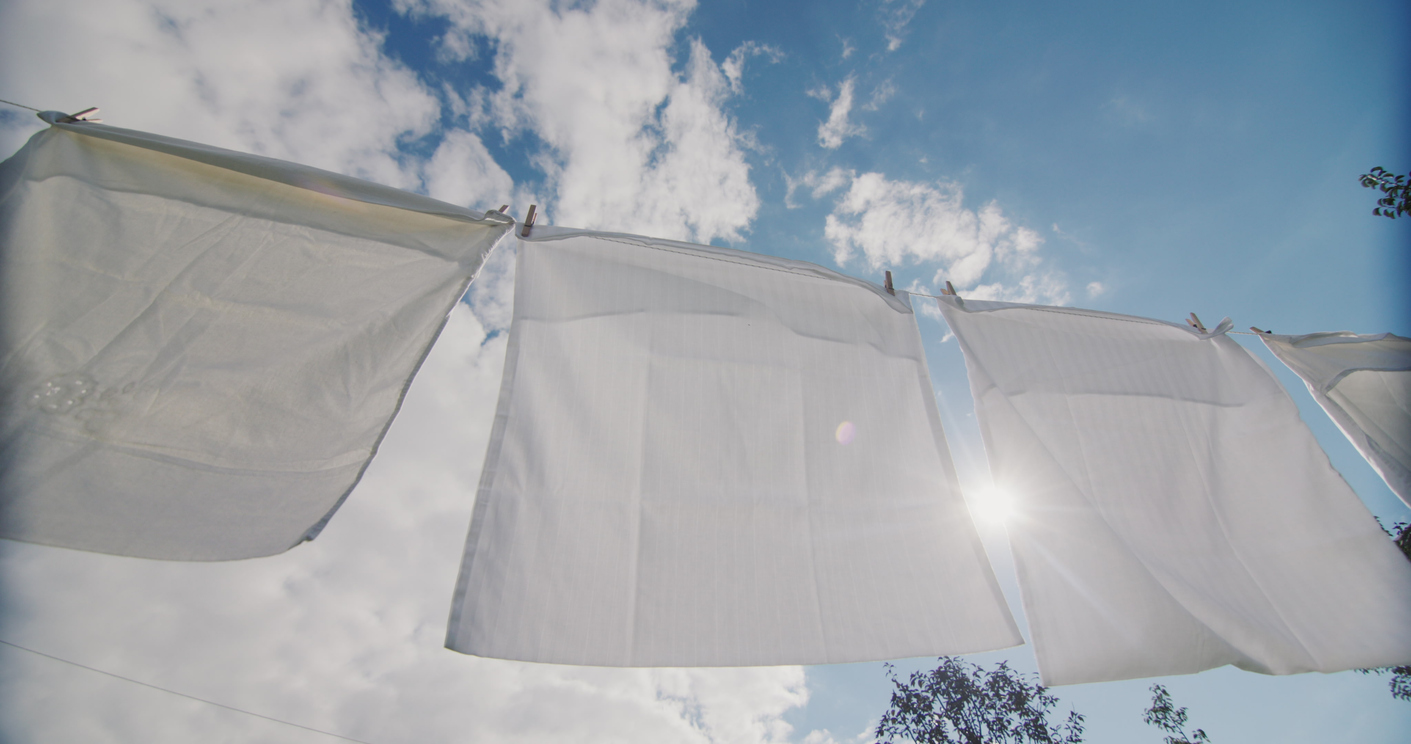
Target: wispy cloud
{"type": "Point", "coordinates": [880, 95]}
{"type": "Point", "coordinates": [896, 15]}
{"type": "Point", "coordinates": [837, 128]}
{"type": "Point", "coordinates": [1127, 111]}
{"type": "Point", "coordinates": [818, 184]}
{"type": "Point", "coordinates": [734, 66]}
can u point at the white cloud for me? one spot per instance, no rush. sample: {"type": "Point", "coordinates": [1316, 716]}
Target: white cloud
{"type": "Point", "coordinates": [291, 79]}
{"type": "Point", "coordinates": [837, 128]}
{"type": "Point", "coordinates": [734, 66]}
{"type": "Point", "coordinates": [832, 181]}
{"type": "Point", "coordinates": [1048, 288]}
{"type": "Point", "coordinates": [631, 145]}
{"type": "Point", "coordinates": [880, 95]}
{"type": "Point", "coordinates": [894, 223]}
{"type": "Point", "coordinates": [896, 14]}
{"type": "Point", "coordinates": [819, 185]}
{"type": "Point", "coordinates": [1096, 289]}
{"type": "Point", "coordinates": [461, 171]}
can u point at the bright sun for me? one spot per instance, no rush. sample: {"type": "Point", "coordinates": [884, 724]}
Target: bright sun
{"type": "Point", "coordinates": [993, 505]}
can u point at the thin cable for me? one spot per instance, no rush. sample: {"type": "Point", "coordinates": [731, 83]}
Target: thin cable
{"type": "Point", "coordinates": [21, 105]}
{"type": "Point", "coordinates": [181, 694]}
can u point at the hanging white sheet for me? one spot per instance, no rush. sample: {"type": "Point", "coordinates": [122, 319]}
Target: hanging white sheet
{"type": "Point", "coordinates": [1364, 383]}
{"type": "Point", "coordinates": [199, 349]}
{"type": "Point", "coordinates": [1173, 512]}
{"type": "Point", "coordinates": [705, 457]}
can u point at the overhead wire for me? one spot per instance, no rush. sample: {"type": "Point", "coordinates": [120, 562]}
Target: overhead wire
{"type": "Point", "coordinates": [21, 105]}
{"type": "Point", "coordinates": [181, 694]}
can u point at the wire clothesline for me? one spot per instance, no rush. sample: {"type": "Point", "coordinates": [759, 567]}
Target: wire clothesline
{"type": "Point", "coordinates": [180, 694]}
{"type": "Point", "coordinates": [21, 105]}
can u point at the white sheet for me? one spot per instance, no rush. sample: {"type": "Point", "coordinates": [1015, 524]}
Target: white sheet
{"type": "Point", "coordinates": [199, 349]}
{"type": "Point", "coordinates": [704, 457]}
{"type": "Point", "coordinates": [1364, 383]}
{"type": "Point", "coordinates": [1174, 513]}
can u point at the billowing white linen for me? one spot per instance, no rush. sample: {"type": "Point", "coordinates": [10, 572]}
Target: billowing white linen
{"type": "Point", "coordinates": [1173, 512]}
{"type": "Point", "coordinates": [1364, 383]}
{"type": "Point", "coordinates": [704, 457]}
{"type": "Point", "coordinates": [200, 350]}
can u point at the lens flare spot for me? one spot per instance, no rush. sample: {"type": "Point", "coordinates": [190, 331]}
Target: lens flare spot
{"type": "Point", "coordinates": [846, 432]}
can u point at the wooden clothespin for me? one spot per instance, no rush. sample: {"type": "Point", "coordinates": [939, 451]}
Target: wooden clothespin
{"type": "Point", "coordinates": [502, 208]}
{"type": "Point", "coordinates": [887, 284]}
{"type": "Point", "coordinates": [1256, 330]}
{"type": "Point", "coordinates": [82, 116]}
{"type": "Point", "coordinates": [949, 291]}
{"type": "Point", "coordinates": [1195, 323]}
{"type": "Point", "coordinates": [528, 222]}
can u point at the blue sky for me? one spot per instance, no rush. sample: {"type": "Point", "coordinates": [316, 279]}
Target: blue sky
{"type": "Point", "coordinates": [1145, 160]}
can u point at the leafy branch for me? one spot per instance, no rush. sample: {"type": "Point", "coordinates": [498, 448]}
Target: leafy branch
{"type": "Point", "coordinates": [962, 703]}
{"type": "Point", "coordinates": [1400, 676]}
{"type": "Point", "coordinates": [1164, 715]}
{"type": "Point", "coordinates": [1397, 199]}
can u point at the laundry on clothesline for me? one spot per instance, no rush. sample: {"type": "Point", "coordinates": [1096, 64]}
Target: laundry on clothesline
{"type": "Point", "coordinates": [201, 349]}
{"type": "Point", "coordinates": [1364, 384]}
{"type": "Point", "coordinates": [706, 457]}
{"type": "Point", "coordinates": [1174, 513]}
{"type": "Point", "coordinates": [701, 456]}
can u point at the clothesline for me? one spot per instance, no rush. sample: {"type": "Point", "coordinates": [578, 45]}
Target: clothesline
{"type": "Point", "coordinates": [917, 294]}
{"type": "Point", "coordinates": [21, 105]}
{"type": "Point", "coordinates": [188, 696]}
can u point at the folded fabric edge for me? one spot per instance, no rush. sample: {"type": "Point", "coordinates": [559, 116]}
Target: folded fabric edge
{"type": "Point", "coordinates": [899, 301]}
{"type": "Point", "coordinates": [1273, 342]}
{"type": "Point", "coordinates": [987, 306]}
{"type": "Point", "coordinates": [271, 169]}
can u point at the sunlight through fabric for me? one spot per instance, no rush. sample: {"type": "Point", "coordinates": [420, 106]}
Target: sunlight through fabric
{"type": "Point", "coordinates": [1178, 514]}
{"type": "Point", "coordinates": [993, 505]}
{"type": "Point", "coordinates": [705, 457]}
{"type": "Point", "coordinates": [202, 349]}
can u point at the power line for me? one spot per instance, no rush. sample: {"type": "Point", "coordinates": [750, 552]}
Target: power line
{"type": "Point", "coordinates": [180, 694]}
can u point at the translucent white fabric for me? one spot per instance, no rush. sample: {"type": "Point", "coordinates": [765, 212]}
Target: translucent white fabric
{"type": "Point", "coordinates": [1364, 383]}
{"type": "Point", "coordinates": [704, 457]}
{"type": "Point", "coordinates": [1173, 512]}
{"type": "Point", "coordinates": [199, 349]}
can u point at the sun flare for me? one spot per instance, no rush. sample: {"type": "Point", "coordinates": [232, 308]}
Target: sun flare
{"type": "Point", "coordinates": [993, 505]}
